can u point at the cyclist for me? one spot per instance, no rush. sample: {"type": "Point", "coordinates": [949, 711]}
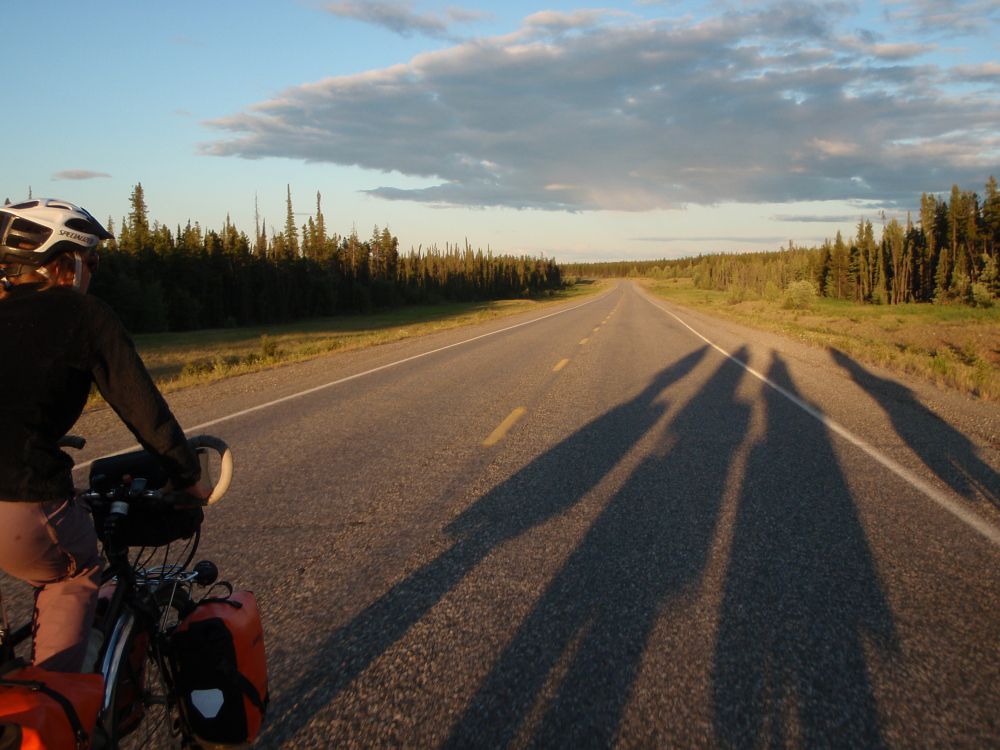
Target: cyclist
{"type": "Point", "coordinates": [57, 342]}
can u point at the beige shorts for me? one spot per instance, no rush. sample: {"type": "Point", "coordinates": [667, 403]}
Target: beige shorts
{"type": "Point", "coordinates": [53, 546]}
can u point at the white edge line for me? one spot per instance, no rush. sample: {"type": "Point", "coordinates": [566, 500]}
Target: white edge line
{"type": "Point", "coordinates": [355, 376]}
{"type": "Point", "coordinates": [949, 504]}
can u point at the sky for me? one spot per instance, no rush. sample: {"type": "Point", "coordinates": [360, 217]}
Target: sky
{"type": "Point", "coordinates": [628, 129]}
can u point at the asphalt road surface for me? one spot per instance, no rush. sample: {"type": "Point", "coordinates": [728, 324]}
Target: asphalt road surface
{"type": "Point", "coordinates": [613, 523]}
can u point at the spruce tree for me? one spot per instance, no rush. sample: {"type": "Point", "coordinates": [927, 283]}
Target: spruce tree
{"type": "Point", "coordinates": [260, 242]}
{"type": "Point", "coordinates": [896, 259]}
{"type": "Point", "coordinates": [321, 237]}
{"type": "Point", "coordinates": [837, 284]}
{"type": "Point", "coordinates": [867, 261]}
{"type": "Point", "coordinates": [138, 221]}
{"type": "Point", "coordinates": [291, 243]}
{"type": "Point", "coordinates": [929, 252]}
{"type": "Point", "coordinates": [991, 217]}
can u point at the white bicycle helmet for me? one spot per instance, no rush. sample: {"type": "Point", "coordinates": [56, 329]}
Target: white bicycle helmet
{"type": "Point", "coordinates": [34, 232]}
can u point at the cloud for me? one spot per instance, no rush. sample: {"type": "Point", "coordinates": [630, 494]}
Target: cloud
{"type": "Point", "coordinates": [835, 148]}
{"type": "Point", "coordinates": [400, 18]}
{"type": "Point", "coordinates": [556, 21]}
{"type": "Point", "coordinates": [984, 73]}
{"type": "Point", "coordinates": [944, 18]}
{"type": "Point", "coordinates": [466, 15]}
{"type": "Point", "coordinates": [868, 43]}
{"type": "Point", "coordinates": [78, 174]}
{"type": "Point", "coordinates": [737, 239]}
{"type": "Point", "coordinates": [767, 105]}
{"type": "Point", "coordinates": [815, 218]}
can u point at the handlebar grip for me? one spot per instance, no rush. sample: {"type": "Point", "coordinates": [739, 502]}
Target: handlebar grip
{"type": "Point", "coordinates": [225, 468]}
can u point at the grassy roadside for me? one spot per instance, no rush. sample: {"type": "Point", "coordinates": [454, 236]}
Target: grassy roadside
{"type": "Point", "coordinates": [179, 360]}
{"type": "Point", "coordinates": [954, 346]}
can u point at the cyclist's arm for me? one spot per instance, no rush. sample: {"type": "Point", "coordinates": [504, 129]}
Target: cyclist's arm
{"type": "Point", "coordinates": [126, 385]}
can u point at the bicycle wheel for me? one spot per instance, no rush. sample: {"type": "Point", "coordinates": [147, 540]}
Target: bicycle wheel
{"type": "Point", "coordinates": [139, 710]}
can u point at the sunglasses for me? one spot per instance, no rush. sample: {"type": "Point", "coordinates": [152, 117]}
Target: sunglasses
{"type": "Point", "coordinates": [90, 258]}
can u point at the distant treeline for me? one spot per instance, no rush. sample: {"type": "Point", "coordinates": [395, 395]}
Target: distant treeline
{"type": "Point", "coordinates": [163, 280]}
{"type": "Point", "coordinates": [949, 255]}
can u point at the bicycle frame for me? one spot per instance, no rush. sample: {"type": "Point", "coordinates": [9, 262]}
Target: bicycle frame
{"type": "Point", "coordinates": [135, 636]}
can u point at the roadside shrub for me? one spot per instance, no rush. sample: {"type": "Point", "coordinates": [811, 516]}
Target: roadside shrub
{"type": "Point", "coordinates": [940, 365]}
{"type": "Point", "coordinates": [800, 295]}
{"type": "Point", "coordinates": [981, 296]}
{"type": "Point", "coordinates": [268, 347]}
{"type": "Point", "coordinates": [195, 368]}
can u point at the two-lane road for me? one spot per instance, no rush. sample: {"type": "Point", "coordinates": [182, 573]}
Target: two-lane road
{"type": "Point", "coordinates": [593, 528]}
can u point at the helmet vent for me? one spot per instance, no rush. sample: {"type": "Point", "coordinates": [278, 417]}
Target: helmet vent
{"type": "Point", "coordinates": [81, 225]}
{"type": "Point", "coordinates": [26, 235]}
{"type": "Point", "coordinates": [30, 227]}
{"type": "Point", "coordinates": [26, 204]}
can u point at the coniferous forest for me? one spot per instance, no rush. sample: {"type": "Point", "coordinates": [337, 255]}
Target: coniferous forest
{"type": "Point", "coordinates": [950, 254]}
{"type": "Point", "coordinates": [159, 279]}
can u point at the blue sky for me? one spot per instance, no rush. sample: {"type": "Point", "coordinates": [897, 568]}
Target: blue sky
{"type": "Point", "coordinates": [580, 130]}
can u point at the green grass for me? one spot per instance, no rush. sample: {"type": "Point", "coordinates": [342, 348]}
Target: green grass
{"type": "Point", "coordinates": [179, 360]}
{"type": "Point", "coordinates": [954, 346]}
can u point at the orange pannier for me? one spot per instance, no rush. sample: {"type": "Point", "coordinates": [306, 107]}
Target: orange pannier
{"type": "Point", "coordinates": [220, 669]}
{"type": "Point", "coordinates": [54, 710]}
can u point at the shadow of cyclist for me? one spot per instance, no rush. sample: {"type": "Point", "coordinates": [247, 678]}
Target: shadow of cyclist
{"type": "Point", "coordinates": [549, 485]}
{"type": "Point", "coordinates": [801, 598]}
{"type": "Point", "coordinates": [942, 448]}
{"type": "Point", "coordinates": [589, 630]}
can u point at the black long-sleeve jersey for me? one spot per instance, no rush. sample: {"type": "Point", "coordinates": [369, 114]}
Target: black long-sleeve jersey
{"type": "Point", "coordinates": [54, 344]}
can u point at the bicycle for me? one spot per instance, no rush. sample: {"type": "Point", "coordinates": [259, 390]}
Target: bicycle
{"type": "Point", "coordinates": [147, 589]}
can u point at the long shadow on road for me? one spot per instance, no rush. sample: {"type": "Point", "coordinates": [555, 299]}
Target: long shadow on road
{"type": "Point", "coordinates": [546, 487]}
{"type": "Point", "coordinates": [942, 448]}
{"type": "Point", "coordinates": [566, 676]}
{"type": "Point", "coordinates": [801, 599]}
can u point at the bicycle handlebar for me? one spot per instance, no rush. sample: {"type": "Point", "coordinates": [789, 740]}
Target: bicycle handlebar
{"type": "Point", "coordinates": [137, 464]}
{"type": "Point", "coordinates": [225, 469]}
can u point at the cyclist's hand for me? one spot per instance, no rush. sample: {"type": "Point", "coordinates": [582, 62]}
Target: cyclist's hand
{"type": "Point", "coordinates": [198, 491]}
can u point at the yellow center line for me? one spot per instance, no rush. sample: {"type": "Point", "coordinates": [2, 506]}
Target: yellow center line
{"type": "Point", "coordinates": [583, 341]}
{"type": "Point", "coordinates": [561, 364]}
{"type": "Point", "coordinates": [498, 434]}
{"type": "Point", "coordinates": [597, 329]}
